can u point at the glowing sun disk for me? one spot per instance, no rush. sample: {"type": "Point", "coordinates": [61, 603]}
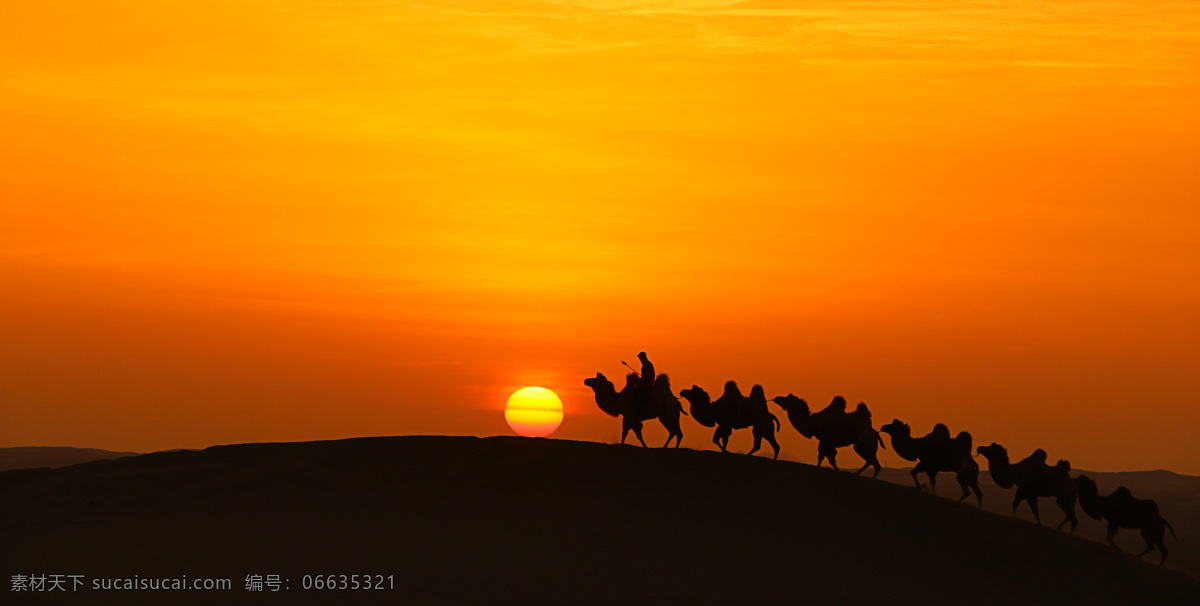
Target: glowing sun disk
{"type": "Point", "coordinates": [534, 411]}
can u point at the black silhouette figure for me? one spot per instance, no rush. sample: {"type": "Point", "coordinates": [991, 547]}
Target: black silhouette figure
{"type": "Point", "coordinates": [834, 428]}
{"type": "Point", "coordinates": [1122, 510]}
{"type": "Point", "coordinates": [636, 403]}
{"type": "Point", "coordinates": [647, 370]}
{"type": "Point", "coordinates": [937, 452]}
{"type": "Point", "coordinates": [734, 411]}
{"type": "Point", "coordinates": [1033, 478]}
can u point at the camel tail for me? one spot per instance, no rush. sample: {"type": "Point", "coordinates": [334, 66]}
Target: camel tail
{"type": "Point", "coordinates": [778, 427]}
{"type": "Point", "coordinates": [1168, 525]}
{"type": "Point", "coordinates": [684, 412]}
{"type": "Point", "coordinates": [880, 438]}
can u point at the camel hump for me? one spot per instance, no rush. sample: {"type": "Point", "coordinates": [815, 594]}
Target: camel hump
{"type": "Point", "coordinates": [662, 381]}
{"type": "Point", "coordinates": [836, 408]}
{"type": "Point", "coordinates": [731, 389]}
{"type": "Point", "coordinates": [964, 437]}
{"type": "Point", "coordinates": [837, 405]}
{"type": "Point", "coordinates": [961, 445]}
{"type": "Point", "coordinates": [1039, 456]}
{"type": "Point", "coordinates": [863, 410]}
{"type": "Point", "coordinates": [940, 431]}
{"type": "Point", "coordinates": [1063, 465]}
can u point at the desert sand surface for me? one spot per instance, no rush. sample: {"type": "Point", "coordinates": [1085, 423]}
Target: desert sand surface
{"type": "Point", "coordinates": [24, 457]}
{"type": "Point", "coordinates": [462, 520]}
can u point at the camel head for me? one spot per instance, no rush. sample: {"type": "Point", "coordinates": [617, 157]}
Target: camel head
{"type": "Point", "coordinates": [790, 402]}
{"type": "Point", "coordinates": [1086, 485]}
{"type": "Point", "coordinates": [993, 451]}
{"type": "Point", "coordinates": [695, 394]}
{"type": "Point", "coordinates": [896, 428]}
{"type": "Point", "coordinates": [599, 383]}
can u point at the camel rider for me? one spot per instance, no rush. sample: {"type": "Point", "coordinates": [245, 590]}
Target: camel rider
{"type": "Point", "coordinates": [647, 371]}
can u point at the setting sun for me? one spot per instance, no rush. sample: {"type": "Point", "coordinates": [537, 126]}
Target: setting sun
{"type": "Point", "coordinates": [534, 412]}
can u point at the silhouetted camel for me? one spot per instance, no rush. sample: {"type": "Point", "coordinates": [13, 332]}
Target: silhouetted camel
{"type": "Point", "coordinates": [937, 452]}
{"type": "Point", "coordinates": [734, 411]}
{"type": "Point", "coordinates": [1122, 510]}
{"type": "Point", "coordinates": [834, 428]}
{"type": "Point", "coordinates": [635, 404]}
{"type": "Point", "coordinates": [1033, 478]}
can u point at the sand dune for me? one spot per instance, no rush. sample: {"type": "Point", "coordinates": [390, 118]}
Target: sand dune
{"type": "Point", "coordinates": [458, 520]}
{"type": "Point", "coordinates": [24, 457]}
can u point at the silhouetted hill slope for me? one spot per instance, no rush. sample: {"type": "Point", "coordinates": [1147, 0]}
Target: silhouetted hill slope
{"type": "Point", "coordinates": [1178, 498]}
{"type": "Point", "coordinates": [461, 520]}
{"type": "Point", "coordinates": [24, 457]}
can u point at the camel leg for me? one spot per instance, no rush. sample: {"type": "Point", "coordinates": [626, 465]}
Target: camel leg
{"type": "Point", "coordinates": [774, 444]}
{"type": "Point", "coordinates": [717, 440]}
{"type": "Point", "coordinates": [1149, 542]}
{"type": "Point", "coordinates": [672, 425]}
{"type": "Point", "coordinates": [1112, 533]}
{"type": "Point", "coordinates": [962, 483]}
{"type": "Point", "coordinates": [757, 444]}
{"type": "Point", "coordinates": [1070, 517]}
{"type": "Point", "coordinates": [678, 438]}
{"type": "Point", "coordinates": [914, 473]}
{"type": "Point", "coordinates": [824, 450]}
{"type": "Point", "coordinates": [637, 431]}
{"type": "Point", "coordinates": [1162, 548]}
{"type": "Point", "coordinates": [868, 451]}
{"type": "Point", "coordinates": [1017, 501]}
{"type": "Point", "coordinates": [970, 476]}
{"type": "Point", "coordinates": [932, 481]}
{"type": "Point", "coordinates": [1066, 502]}
{"type": "Point", "coordinates": [1034, 506]}
{"type": "Point", "coordinates": [624, 434]}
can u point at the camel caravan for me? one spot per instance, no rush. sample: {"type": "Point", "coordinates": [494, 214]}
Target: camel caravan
{"type": "Point", "coordinates": [648, 395]}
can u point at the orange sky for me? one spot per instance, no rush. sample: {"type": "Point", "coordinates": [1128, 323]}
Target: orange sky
{"type": "Point", "coordinates": [229, 221]}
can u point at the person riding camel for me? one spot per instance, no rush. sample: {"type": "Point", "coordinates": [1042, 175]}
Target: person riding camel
{"type": "Point", "coordinates": [647, 373]}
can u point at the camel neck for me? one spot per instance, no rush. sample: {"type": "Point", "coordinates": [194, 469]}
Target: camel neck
{"type": "Point", "coordinates": [1002, 472]}
{"type": "Point", "coordinates": [1091, 502]}
{"type": "Point", "coordinates": [905, 446]}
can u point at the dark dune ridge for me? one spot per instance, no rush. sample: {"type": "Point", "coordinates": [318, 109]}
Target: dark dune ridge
{"type": "Point", "coordinates": [24, 457]}
{"type": "Point", "coordinates": [460, 520]}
